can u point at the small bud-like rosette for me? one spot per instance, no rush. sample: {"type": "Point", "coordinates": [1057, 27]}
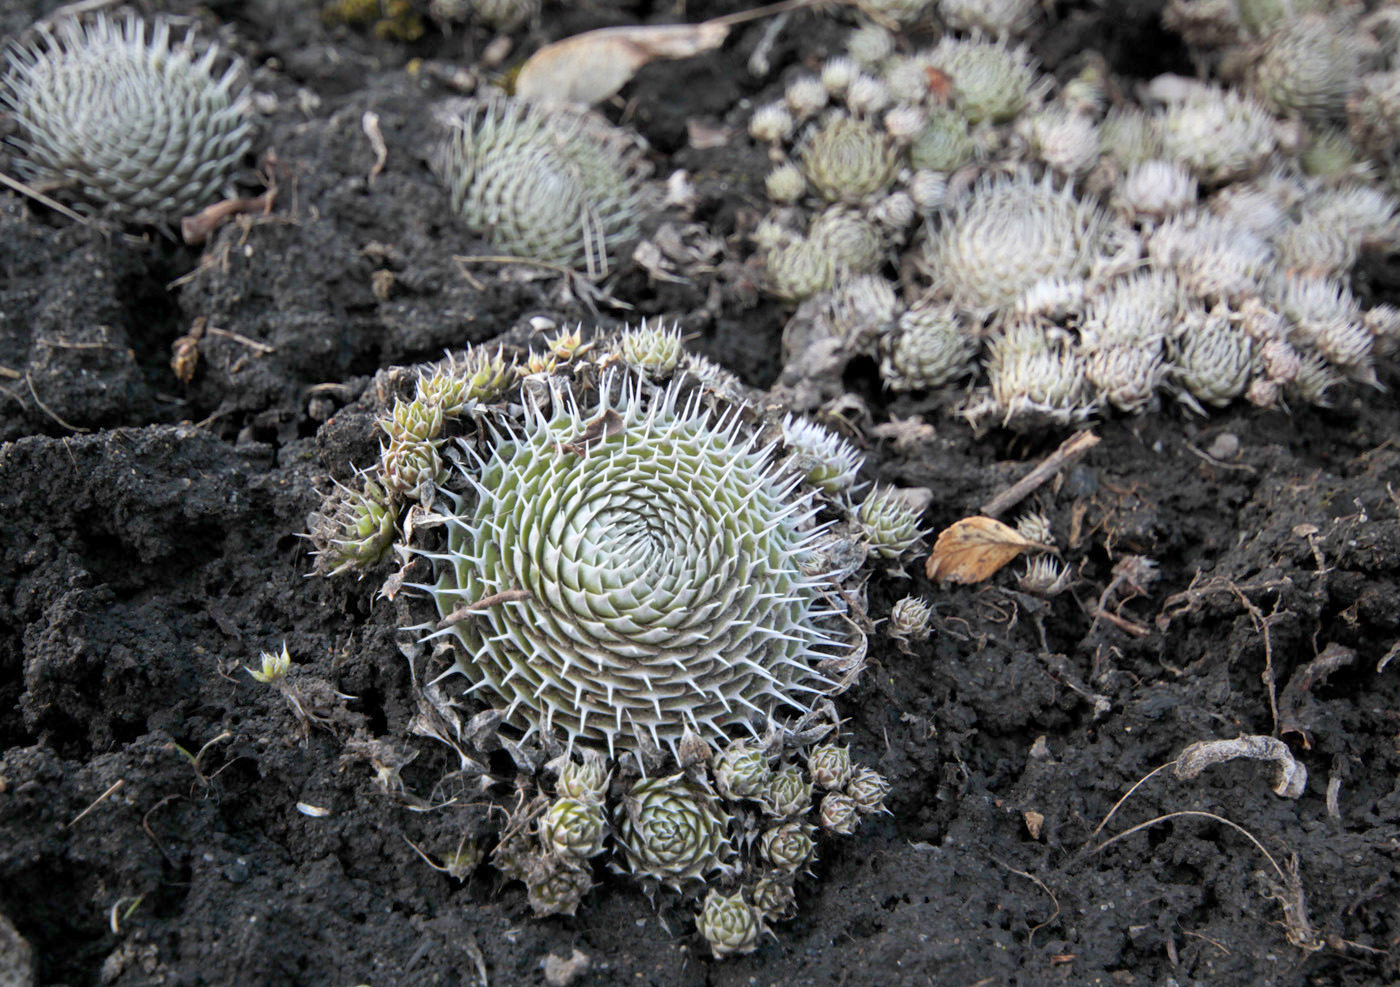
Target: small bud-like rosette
{"type": "Point", "coordinates": [830, 765]}
{"type": "Point", "coordinates": [839, 814]}
{"type": "Point", "coordinates": [1219, 134]}
{"type": "Point", "coordinates": [586, 781]}
{"type": "Point", "coordinates": [848, 159]}
{"type": "Point", "coordinates": [889, 522]}
{"type": "Point", "coordinates": [786, 793]}
{"type": "Point", "coordinates": [827, 460]}
{"type": "Point", "coordinates": [729, 924]}
{"type": "Point", "coordinates": [654, 349]}
{"type": "Point", "coordinates": [773, 896]}
{"type": "Point", "coordinates": [137, 124]}
{"type": "Point", "coordinates": [740, 771]}
{"type": "Point", "coordinates": [643, 559]}
{"type": "Point", "coordinates": [550, 184]}
{"type": "Point", "coordinates": [868, 790]}
{"type": "Point", "coordinates": [574, 828]}
{"type": "Point", "coordinates": [556, 884]}
{"type": "Point", "coordinates": [789, 846]}
{"type": "Point", "coordinates": [1014, 231]}
{"type": "Point", "coordinates": [991, 80]}
{"type": "Point", "coordinates": [909, 621]}
{"type": "Point", "coordinates": [354, 528]}
{"type": "Point", "coordinates": [479, 376]}
{"type": "Point", "coordinates": [673, 830]}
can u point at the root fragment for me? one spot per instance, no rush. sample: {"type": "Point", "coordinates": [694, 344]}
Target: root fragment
{"type": "Point", "coordinates": [1290, 781]}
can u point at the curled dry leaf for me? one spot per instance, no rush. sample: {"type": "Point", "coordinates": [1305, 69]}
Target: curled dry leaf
{"type": "Point", "coordinates": [970, 550]}
{"type": "Point", "coordinates": [588, 68]}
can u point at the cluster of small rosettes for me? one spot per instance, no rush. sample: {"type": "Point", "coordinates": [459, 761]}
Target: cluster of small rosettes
{"type": "Point", "coordinates": [415, 430]}
{"type": "Point", "coordinates": [356, 526]}
{"type": "Point", "coordinates": [572, 830]}
{"type": "Point", "coordinates": [1080, 259]}
{"type": "Point", "coordinates": [547, 183]}
{"type": "Point", "coordinates": [137, 125]}
{"type": "Point", "coordinates": [682, 831]}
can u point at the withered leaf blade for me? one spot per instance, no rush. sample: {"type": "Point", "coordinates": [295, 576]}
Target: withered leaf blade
{"type": "Point", "coordinates": [588, 68]}
{"type": "Point", "coordinates": [971, 550]}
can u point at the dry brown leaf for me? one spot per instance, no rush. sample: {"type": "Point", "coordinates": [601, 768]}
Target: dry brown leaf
{"type": "Point", "coordinates": [970, 550]}
{"type": "Point", "coordinates": [590, 67]}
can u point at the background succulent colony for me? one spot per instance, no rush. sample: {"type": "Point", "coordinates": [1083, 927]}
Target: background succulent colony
{"type": "Point", "coordinates": [1074, 249]}
{"type": "Point", "coordinates": [654, 588]}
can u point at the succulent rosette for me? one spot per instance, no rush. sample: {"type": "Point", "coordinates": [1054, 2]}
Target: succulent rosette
{"type": "Point", "coordinates": [644, 556]}
{"type": "Point", "coordinates": [673, 830]}
{"type": "Point", "coordinates": [830, 765]}
{"type": "Point", "coordinates": [786, 792]}
{"type": "Point", "coordinates": [740, 770]}
{"type": "Point", "coordinates": [548, 183]}
{"type": "Point", "coordinates": [141, 125]}
{"type": "Point", "coordinates": [574, 828]}
{"type": "Point", "coordinates": [774, 897]}
{"type": "Point", "coordinates": [586, 781]}
{"type": "Point", "coordinates": [729, 924]}
{"type": "Point", "coordinates": [788, 847]}
{"type": "Point", "coordinates": [868, 789]}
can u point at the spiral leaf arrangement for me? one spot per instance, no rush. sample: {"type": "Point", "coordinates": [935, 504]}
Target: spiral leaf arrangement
{"type": "Point", "coordinates": [656, 550]}
{"type": "Point", "coordinates": [139, 125]}
{"type": "Point", "coordinates": [550, 184]}
{"type": "Point", "coordinates": [673, 830]}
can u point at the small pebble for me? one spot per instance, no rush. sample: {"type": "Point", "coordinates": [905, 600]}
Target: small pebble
{"type": "Point", "coordinates": [1225, 446]}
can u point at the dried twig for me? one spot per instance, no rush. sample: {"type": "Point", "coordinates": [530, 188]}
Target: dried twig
{"type": "Point", "coordinates": [261, 349]}
{"type": "Point", "coordinates": [40, 197]}
{"type": "Point", "coordinates": [115, 785]}
{"type": "Point", "coordinates": [1030, 936]}
{"type": "Point", "coordinates": [1194, 812]}
{"type": "Point", "coordinates": [1262, 624]}
{"type": "Point", "coordinates": [196, 229]}
{"type": "Point", "coordinates": [369, 123]}
{"type": "Point", "coordinates": [1128, 794]}
{"type": "Point", "coordinates": [146, 826]}
{"type": "Point", "coordinates": [485, 603]}
{"type": "Point", "coordinates": [1180, 604]}
{"type": "Point", "coordinates": [49, 411]}
{"type": "Point", "coordinates": [1070, 450]}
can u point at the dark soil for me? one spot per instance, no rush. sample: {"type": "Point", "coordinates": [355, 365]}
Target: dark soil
{"type": "Point", "coordinates": [149, 788]}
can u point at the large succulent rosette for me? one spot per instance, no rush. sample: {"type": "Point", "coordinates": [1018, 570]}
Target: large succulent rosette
{"type": "Point", "coordinates": [644, 558]}
{"type": "Point", "coordinates": [139, 124]}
